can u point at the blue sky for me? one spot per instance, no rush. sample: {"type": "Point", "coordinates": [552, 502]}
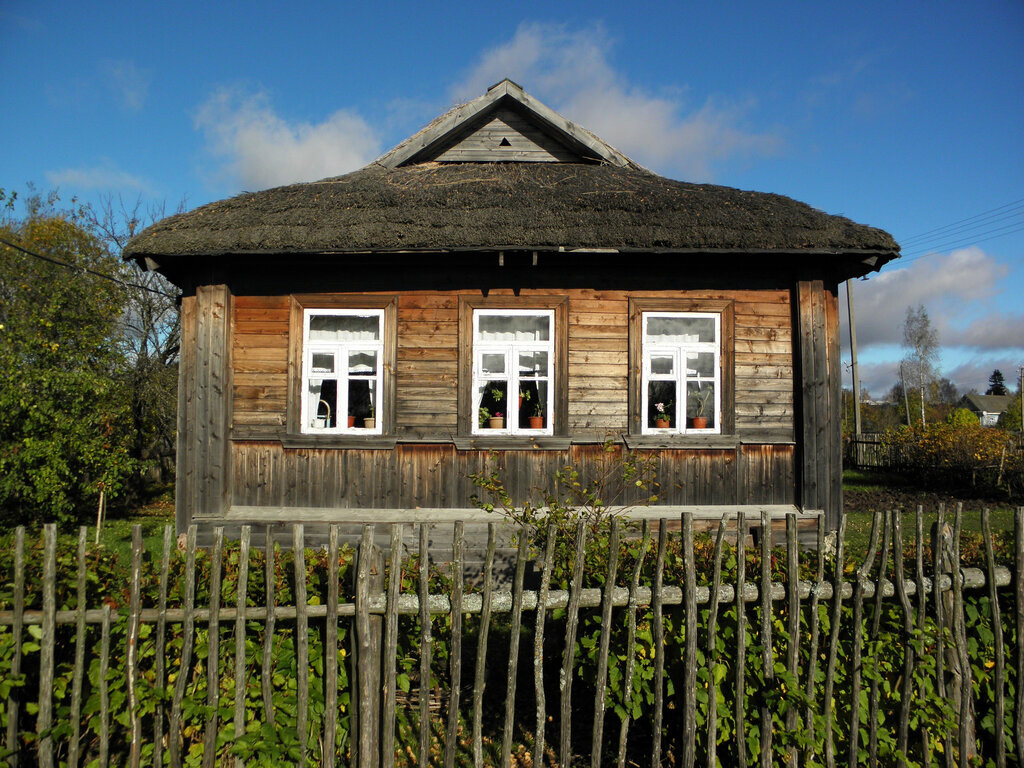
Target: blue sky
{"type": "Point", "coordinates": [907, 116]}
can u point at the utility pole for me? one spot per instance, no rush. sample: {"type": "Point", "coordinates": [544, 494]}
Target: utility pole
{"type": "Point", "coordinates": [906, 401]}
{"type": "Point", "coordinates": [856, 379]}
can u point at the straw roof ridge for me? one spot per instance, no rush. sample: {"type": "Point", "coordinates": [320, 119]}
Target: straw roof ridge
{"type": "Point", "coordinates": [442, 206]}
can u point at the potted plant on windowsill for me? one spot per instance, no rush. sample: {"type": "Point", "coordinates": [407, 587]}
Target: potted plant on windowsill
{"type": "Point", "coordinates": [663, 415]}
{"type": "Point", "coordinates": [536, 418]}
{"type": "Point", "coordinates": [370, 422]}
{"type": "Point", "coordinates": [524, 397]}
{"type": "Point", "coordinates": [493, 421]}
{"type": "Point", "coordinates": [701, 398]}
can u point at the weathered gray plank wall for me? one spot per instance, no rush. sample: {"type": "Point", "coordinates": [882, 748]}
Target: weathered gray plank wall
{"type": "Point", "coordinates": [819, 366]}
{"type": "Point", "coordinates": [409, 476]}
{"type": "Point", "coordinates": [204, 404]}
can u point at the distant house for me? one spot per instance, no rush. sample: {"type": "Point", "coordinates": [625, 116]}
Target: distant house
{"type": "Point", "coordinates": [504, 284]}
{"type": "Point", "coordinates": [987, 408]}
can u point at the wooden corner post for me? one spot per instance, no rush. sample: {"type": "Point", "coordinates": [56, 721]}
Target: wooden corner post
{"type": "Point", "coordinates": [819, 398]}
{"type": "Point", "coordinates": [204, 405]}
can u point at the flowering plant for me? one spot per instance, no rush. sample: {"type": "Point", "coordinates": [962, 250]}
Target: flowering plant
{"type": "Point", "coordinates": [664, 411]}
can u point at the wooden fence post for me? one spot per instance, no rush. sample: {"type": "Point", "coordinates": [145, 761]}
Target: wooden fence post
{"type": "Point", "coordinates": [949, 618]}
{"type": "Point", "coordinates": [369, 583]}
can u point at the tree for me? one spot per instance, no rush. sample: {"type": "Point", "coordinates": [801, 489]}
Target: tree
{"type": "Point", "coordinates": [149, 336]}
{"type": "Point", "coordinates": [996, 384]}
{"type": "Point", "coordinates": [922, 344]}
{"type": "Point", "coordinates": [64, 426]}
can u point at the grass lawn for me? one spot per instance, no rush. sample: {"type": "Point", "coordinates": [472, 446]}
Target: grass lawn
{"type": "Point", "coordinates": [865, 492]}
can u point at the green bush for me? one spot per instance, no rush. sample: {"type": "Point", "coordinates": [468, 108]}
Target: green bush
{"type": "Point", "coordinates": [632, 679]}
{"type": "Point", "coordinates": [959, 456]}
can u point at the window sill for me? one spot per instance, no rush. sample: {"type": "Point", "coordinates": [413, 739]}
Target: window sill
{"type": "Point", "coordinates": [512, 443]}
{"type": "Point", "coordinates": [645, 442]}
{"type": "Point", "coordinates": [358, 442]}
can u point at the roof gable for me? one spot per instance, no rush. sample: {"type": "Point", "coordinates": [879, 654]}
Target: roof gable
{"type": "Point", "coordinates": [988, 403]}
{"type": "Point", "coordinates": [504, 125]}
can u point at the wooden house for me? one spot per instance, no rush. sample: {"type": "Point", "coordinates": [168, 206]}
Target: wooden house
{"type": "Point", "coordinates": [345, 341]}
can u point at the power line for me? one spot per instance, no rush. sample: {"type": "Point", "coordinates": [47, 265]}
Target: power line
{"type": "Point", "coordinates": [984, 225]}
{"type": "Point", "coordinates": [938, 230]}
{"type": "Point", "coordinates": [993, 234]}
{"type": "Point", "coordinates": [78, 268]}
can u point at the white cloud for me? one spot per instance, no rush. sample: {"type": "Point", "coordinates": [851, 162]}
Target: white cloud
{"type": "Point", "coordinates": [129, 83]}
{"type": "Point", "coordinates": [876, 378]}
{"type": "Point", "coordinates": [100, 177]}
{"type": "Point", "coordinates": [974, 373]}
{"type": "Point", "coordinates": [950, 287]}
{"type": "Point", "coordinates": [260, 149]}
{"type": "Point", "coordinates": [957, 290]}
{"type": "Point", "coordinates": [571, 71]}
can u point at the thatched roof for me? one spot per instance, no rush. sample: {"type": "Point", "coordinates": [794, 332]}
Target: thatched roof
{"type": "Point", "coordinates": [503, 205]}
{"type": "Point", "coordinates": [567, 191]}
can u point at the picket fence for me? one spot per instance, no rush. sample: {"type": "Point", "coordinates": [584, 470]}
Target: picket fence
{"type": "Point", "coordinates": [373, 618]}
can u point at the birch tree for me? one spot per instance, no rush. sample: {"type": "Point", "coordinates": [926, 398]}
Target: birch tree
{"type": "Point", "coordinates": [922, 343]}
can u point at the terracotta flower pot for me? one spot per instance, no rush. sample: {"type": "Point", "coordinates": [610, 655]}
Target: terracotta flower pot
{"type": "Point", "coordinates": [496, 422]}
{"type": "Point", "coordinates": [536, 422]}
{"type": "Point", "coordinates": [351, 421]}
{"type": "Point", "coordinates": [699, 422]}
{"type": "Point", "coordinates": [662, 423]}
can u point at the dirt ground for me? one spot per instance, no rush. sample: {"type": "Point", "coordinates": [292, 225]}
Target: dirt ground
{"type": "Point", "coordinates": [907, 499]}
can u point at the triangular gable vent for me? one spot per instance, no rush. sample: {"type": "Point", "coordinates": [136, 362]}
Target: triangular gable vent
{"type": "Point", "coordinates": [503, 125]}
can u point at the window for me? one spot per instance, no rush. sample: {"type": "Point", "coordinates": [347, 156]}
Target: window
{"type": "Point", "coordinates": [512, 366]}
{"type": "Point", "coordinates": [681, 372]}
{"type": "Point", "coordinates": [681, 353]}
{"type": "Point", "coordinates": [342, 357]}
{"type": "Point", "coordinates": [512, 376]}
{"type": "Point", "coordinates": [341, 377]}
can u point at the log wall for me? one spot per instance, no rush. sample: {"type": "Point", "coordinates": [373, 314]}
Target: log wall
{"type": "Point", "coordinates": [427, 467]}
{"type": "Point", "coordinates": [427, 362]}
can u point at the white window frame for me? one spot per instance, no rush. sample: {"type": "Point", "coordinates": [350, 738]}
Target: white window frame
{"type": "Point", "coordinates": [511, 350]}
{"type": "Point", "coordinates": [341, 350]}
{"type": "Point", "coordinates": [678, 352]}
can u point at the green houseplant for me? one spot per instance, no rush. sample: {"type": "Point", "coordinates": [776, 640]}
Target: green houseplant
{"type": "Point", "coordinates": [701, 397]}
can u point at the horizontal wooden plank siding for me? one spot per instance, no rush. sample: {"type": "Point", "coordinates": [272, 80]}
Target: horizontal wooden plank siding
{"type": "Point", "coordinates": [427, 360]}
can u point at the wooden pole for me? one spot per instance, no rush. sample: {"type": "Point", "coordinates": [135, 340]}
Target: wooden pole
{"type": "Point", "coordinates": [856, 377]}
{"type": "Point", "coordinates": [369, 581]}
{"type": "Point", "coordinates": [906, 400]}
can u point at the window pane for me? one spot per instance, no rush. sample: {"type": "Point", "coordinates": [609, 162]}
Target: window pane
{"type": "Point", "coordinates": [700, 403]}
{"type": "Point", "coordinates": [493, 398]}
{"type": "Point", "coordinates": [362, 363]}
{"type": "Point", "coordinates": [333, 328]}
{"type": "Point", "coordinates": [532, 364]}
{"type": "Point", "coordinates": [662, 365]}
{"type": "Point", "coordinates": [680, 330]}
{"type": "Point", "coordinates": [661, 402]}
{"type": "Point", "coordinates": [492, 363]}
{"type": "Point", "coordinates": [514, 327]}
{"type": "Point", "coordinates": [323, 362]}
{"type": "Point", "coordinates": [700, 364]}
{"type": "Point", "coordinates": [362, 400]}
{"type": "Point", "coordinates": [322, 403]}
{"type": "Point", "coordinates": [534, 404]}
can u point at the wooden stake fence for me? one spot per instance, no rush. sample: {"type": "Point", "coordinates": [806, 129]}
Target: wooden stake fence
{"type": "Point", "coordinates": [153, 722]}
